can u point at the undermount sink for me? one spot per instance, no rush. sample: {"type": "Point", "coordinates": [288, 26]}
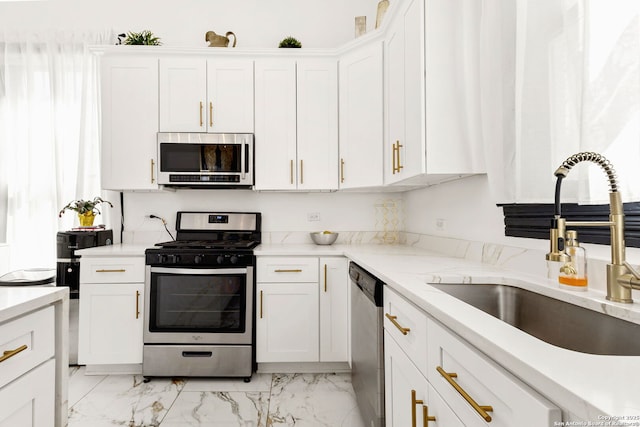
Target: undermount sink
{"type": "Point", "coordinates": [553, 321]}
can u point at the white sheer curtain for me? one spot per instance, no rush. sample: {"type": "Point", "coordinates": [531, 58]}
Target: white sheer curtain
{"type": "Point", "coordinates": [49, 137]}
{"type": "Point", "coordinates": [577, 88]}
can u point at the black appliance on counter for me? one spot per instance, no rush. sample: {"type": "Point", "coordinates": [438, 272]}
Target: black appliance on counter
{"type": "Point", "coordinates": [200, 298]}
{"type": "Point", "coordinates": [68, 273]}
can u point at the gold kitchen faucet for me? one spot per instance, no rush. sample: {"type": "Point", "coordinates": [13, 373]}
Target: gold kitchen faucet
{"type": "Point", "coordinates": [621, 276]}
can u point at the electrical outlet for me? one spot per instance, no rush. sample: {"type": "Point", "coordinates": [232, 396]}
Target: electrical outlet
{"type": "Point", "coordinates": [313, 216]}
{"type": "Point", "coordinates": [440, 224]}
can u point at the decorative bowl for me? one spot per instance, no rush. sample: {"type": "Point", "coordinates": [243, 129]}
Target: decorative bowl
{"type": "Point", "coordinates": [323, 237]}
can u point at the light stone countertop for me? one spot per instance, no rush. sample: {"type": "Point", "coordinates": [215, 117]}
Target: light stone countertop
{"type": "Point", "coordinates": [18, 300]}
{"type": "Point", "coordinates": [589, 386]}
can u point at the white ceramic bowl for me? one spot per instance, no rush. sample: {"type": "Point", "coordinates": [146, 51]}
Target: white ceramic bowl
{"type": "Point", "coordinates": [320, 238]}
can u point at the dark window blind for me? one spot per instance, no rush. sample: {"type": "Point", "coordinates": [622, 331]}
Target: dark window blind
{"type": "Point", "coordinates": [534, 220]}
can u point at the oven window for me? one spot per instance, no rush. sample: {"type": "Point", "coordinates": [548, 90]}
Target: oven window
{"type": "Point", "coordinates": [198, 303]}
{"type": "Point", "coordinates": [200, 157]}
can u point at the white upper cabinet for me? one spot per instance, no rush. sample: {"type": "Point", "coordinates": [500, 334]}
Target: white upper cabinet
{"type": "Point", "coordinates": [206, 95]}
{"type": "Point", "coordinates": [129, 122]}
{"type": "Point", "coordinates": [275, 138]}
{"type": "Point", "coordinates": [432, 93]}
{"type": "Point", "coordinates": [404, 89]}
{"type": "Point", "coordinates": [296, 133]}
{"type": "Point", "coordinates": [361, 117]}
{"type": "Point", "coordinates": [317, 113]}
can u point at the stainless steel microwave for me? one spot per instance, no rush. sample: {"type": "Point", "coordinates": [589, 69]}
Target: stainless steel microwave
{"type": "Point", "coordinates": [206, 160]}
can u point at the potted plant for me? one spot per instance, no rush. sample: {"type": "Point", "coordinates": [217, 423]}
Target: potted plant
{"type": "Point", "coordinates": [145, 37]}
{"type": "Point", "coordinates": [86, 210]}
{"type": "Point", "coordinates": [290, 42]}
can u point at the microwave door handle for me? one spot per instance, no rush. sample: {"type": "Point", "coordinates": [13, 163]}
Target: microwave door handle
{"type": "Point", "coordinates": [243, 159]}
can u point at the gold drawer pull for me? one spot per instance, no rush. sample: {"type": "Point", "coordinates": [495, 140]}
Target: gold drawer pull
{"type": "Point", "coordinates": [288, 271]}
{"type": "Point", "coordinates": [201, 107]}
{"type": "Point", "coordinates": [425, 416]}
{"type": "Point", "coordinates": [118, 270]}
{"type": "Point", "coordinates": [393, 320]}
{"type": "Point", "coordinates": [481, 410]}
{"type": "Point", "coordinates": [10, 353]}
{"type": "Point", "coordinates": [153, 166]}
{"type": "Point", "coordinates": [210, 114]}
{"type": "Point", "coordinates": [414, 402]}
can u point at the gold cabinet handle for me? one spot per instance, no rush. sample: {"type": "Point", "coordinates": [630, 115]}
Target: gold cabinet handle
{"type": "Point", "coordinates": [398, 154]}
{"type": "Point", "coordinates": [296, 270]}
{"type": "Point", "coordinates": [261, 304]}
{"type": "Point", "coordinates": [291, 171]}
{"type": "Point", "coordinates": [341, 170]}
{"type": "Point", "coordinates": [325, 277]}
{"type": "Point", "coordinates": [210, 113]}
{"type": "Point", "coordinates": [301, 172]}
{"type": "Point", "coordinates": [118, 270]}
{"type": "Point", "coordinates": [481, 410]}
{"type": "Point", "coordinates": [414, 402]}
{"type": "Point", "coordinates": [394, 150]}
{"type": "Point", "coordinates": [137, 304]}
{"type": "Point", "coordinates": [153, 166]}
{"type": "Point", "coordinates": [201, 107]}
{"type": "Point", "coordinates": [393, 320]}
{"type": "Point", "coordinates": [425, 416]}
{"type": "Point", "coordinates": [10, 353]}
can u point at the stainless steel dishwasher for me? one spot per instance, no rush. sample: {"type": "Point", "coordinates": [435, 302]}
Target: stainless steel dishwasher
{"type": "Point", "coordinates": [367, 349]}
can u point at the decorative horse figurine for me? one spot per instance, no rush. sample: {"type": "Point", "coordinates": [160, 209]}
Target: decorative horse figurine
{"type": "Point", "coordinates": [216, 40]}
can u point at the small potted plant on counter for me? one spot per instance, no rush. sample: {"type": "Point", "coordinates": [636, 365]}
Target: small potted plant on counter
{"type": "Point", "coordinates": [86, 210]}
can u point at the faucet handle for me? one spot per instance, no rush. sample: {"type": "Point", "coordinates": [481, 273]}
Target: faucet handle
{"type": "Point", "coordinates": [633, 271]}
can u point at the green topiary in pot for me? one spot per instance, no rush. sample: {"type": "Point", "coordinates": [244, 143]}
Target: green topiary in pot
{"type": "Point", "coordinates": [290, 42]}
{"type": "Point", "coordinates": [145, 37]}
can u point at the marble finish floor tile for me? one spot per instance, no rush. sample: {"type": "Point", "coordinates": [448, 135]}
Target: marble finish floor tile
{"type": "Point", "coordinates": [313, 400]}
{"type": "Point", "coordinates": [268, 400]}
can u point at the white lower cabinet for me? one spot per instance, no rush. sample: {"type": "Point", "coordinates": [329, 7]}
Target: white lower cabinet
{"type": "Point", "coordinates": [28, 370]}
{"type": "Point", "coordinates": [302, 309]}
{"type": "Point", "coordinates": [492, 394]}
{"type": "Point", "coordinates": [111, 311]}
{"type": "Point", "coordinates": [452, 384]}
{"type": "Point", "coordinates": [30, 400]}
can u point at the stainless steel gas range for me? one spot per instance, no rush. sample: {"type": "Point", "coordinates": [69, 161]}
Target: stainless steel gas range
{"type": "Point", "coordinates": [199, 298]}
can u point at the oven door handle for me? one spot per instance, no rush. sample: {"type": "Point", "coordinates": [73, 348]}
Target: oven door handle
{"type": "Point", "coordinates": [199, 271]}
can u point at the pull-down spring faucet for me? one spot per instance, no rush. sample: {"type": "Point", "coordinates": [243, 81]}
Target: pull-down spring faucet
{"type": "Point", "coordinates": [621, 276]}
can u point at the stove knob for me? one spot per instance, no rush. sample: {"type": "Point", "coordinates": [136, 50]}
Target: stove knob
{"type": "Point", "coordinates": [234, 259]}
{"type": "Point", "coordinates": [220, 259]}
{"type": "Point", "coordinates": [161, 258]}
{"type": "Point", "coordinates": [198, 259]}
{"type": "Point", "coordinates": [176, 259]}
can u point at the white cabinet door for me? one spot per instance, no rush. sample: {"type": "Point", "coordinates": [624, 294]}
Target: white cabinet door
{"type": "Point", "coordinates": [406, 390]}
{"type": "Point", "coordinates": [404, 60]}
{"type": "Point", "coordinates": [183, 95]}
{"type": "Point", "coordinates": [129, 122]}
{"type": "Point", "coordinates": [110, 323]}
{"type": "Point", "coordinates": [29, 401]}
{"type": "Point", "coordinates": [275, 125]}
{"type": "Point", "coordinates": [361, 117]}
{"type": "Point", "coordinates": [287, 322]}
{"type": "Point", "coordinates": [334, 309]}
{"type": "Point", "coordinates": [296, 124]}
{"type": "Point", "coordinates": [230, 96]}
{"type": "Point", "coordinates": [206, 95]}
{"type": "Point", "coordinates": [317, 124]}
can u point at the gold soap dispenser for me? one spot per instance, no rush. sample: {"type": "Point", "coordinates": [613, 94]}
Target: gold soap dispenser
{"type": "Point", "coordinates": [573, 274]}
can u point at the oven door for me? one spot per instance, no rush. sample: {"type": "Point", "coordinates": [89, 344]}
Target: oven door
{"type": "Point", "coordinates": [198, 305]}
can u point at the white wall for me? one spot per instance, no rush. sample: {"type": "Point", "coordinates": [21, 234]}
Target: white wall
{"type": "Point", "coordinates": [257, 23]}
